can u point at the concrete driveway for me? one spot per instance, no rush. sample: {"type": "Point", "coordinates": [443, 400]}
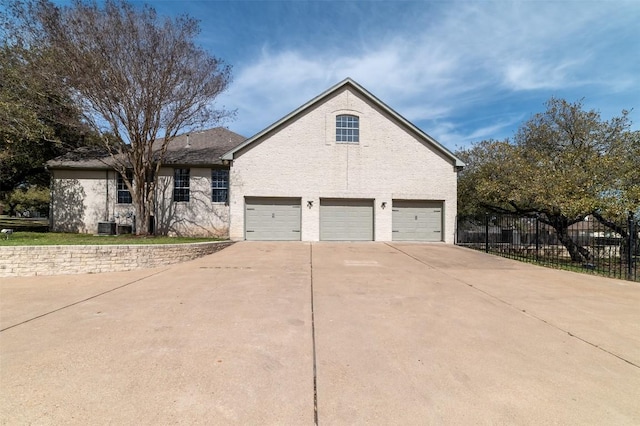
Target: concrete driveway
{"type": "Point", "coordinates": [333, 334]}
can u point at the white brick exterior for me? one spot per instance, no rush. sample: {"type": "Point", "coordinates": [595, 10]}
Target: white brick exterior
{"type": "Point", "coordinates": [82, 198]}
{"type": "Point", "coordinates": [197, 217]}
{"type": "Point", "coordinates": [300, 158]}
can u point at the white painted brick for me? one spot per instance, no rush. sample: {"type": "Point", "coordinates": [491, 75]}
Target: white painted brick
{"type": "Point", "coordinates": [82, 198]}
{"type": "Point", "coordinates": [302, 160]}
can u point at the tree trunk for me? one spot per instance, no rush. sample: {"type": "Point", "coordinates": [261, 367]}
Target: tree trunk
{"type": "Point", "coordinates": [141, 223]}
{"type": "Point", "coordinates": [561, 225]}
{"type": "Point", "coordinates": [11, 208]}
{"type": "Point", "coordinates": [149, 204]}
{"type": "Point", "coordinates": [577, 253]}
{"type": "Point", "coordinates": [140, 202]}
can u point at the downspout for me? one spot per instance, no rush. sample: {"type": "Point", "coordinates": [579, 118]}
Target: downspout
{"type": "Point", "coordinates": [154, 210]}
{"type": "Point", "coordinates": [106, 201]}
{"type": "Point", "coordinates": [51, 195]}
{"type": "Point", "coordinates": [228, 163]}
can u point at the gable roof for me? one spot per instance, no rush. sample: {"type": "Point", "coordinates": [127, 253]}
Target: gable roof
{"type": "Point", "coordinates": [351, 84]}
{"type": "Point", "coordinates": [189, 149]}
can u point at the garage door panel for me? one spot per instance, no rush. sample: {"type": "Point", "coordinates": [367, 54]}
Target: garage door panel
{"type": "Point", "coordinates": [417, 220]}
{"type": "Point", "coordinates": [272, 219]}
{"type": "Point", "coordinates": [346, 220]}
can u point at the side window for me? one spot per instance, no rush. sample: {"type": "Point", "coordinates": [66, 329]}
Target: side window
{"type": "Point", "coordinates": [124, 196]}
{"type": "Point", "coordinates": [180, 184]}
{"type": "Point", "coordinates": [219, 185]}
{"type": "Point", "coordinates": [347, 128]}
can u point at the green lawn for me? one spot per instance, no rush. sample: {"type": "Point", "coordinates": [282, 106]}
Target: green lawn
{"type": "Point", "coordinates": [56, 238]}
{"type": "Point", "coordinates": [33, 232]}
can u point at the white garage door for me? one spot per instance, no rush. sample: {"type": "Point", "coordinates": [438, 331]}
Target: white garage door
{"type": "Point", "coordinates": [272, 219]}
{"type": "Point", "coordinates": [346, 220]}
{"type": "Point", "coordinates": [417, 220]}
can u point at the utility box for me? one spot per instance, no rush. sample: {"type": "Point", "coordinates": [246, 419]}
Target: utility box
{"type": "Point", "coordinates": [125, 229]}
{"type": "Point", "coordinates": [106, 228]}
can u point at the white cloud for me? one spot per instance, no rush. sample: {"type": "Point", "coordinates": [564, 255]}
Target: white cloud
{"type": "Point", "coordinates": [527, 75]}
{"type": "Point", "coordinates": [453, 137]}
{"type": "Point", "coordinates": [271, 87]}
{"type": "Point", "coordinates": [473, 55]}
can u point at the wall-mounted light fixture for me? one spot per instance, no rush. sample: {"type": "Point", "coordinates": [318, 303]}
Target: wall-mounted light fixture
{"type": "Point", "coordinates": [309, 203]}
{"type": "Point", "coordinates": [383, 205]}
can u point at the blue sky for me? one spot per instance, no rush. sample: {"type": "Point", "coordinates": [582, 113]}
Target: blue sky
{"type": "Point", "coordinates": [461, 71]}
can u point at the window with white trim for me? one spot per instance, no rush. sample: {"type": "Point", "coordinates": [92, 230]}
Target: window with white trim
{"type": "Point", "coordinates": [219, 185]}
{"type": "Point", "coordinates": [181, 184]}
{"type": "Point", "coordinates": [124, 195]}
{"type": "Point", "coordinates": [347, 128]}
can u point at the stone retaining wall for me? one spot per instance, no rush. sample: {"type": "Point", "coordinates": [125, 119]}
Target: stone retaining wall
{"type": "Point", "coordinates": [20, 261]}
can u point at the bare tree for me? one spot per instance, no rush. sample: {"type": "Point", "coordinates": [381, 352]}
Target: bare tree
{"type": "Point", "coordinates": [140, 78]}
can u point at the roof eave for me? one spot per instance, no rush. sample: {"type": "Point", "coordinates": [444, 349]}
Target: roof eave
{"type": "Point", "coordinates": [74, 167]}
{"type": "Point", "coordinates": [229, 155]}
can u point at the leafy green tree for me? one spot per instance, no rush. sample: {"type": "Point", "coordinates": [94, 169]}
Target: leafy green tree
{"type": "Point", "coordinates": [38, 118]}
{"type": "Point", "coordinates": [488, 176]}
{"type": "Point", "coordinates": [621, 202]}
{"type": "Point", "coordinates": [556, 168]}
{"type": "Point", "coordinates": [623, 195]}
{"type": "Point", "coordinates": [31, 199]}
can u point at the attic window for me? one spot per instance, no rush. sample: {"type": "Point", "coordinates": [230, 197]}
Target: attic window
{"type": "Point", "coordinates": [348, 128]}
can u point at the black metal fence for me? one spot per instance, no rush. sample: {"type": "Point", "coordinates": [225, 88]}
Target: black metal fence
{"type": "Point", "coordinates": [603, 251]}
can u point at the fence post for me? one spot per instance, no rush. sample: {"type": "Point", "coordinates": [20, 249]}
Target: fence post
{"type": "Point", "coordinates": [537, 239]}
{"type": "Point", "coordinates": [486, 232]}
{"type": "Point", "coordinates": [630, 246]}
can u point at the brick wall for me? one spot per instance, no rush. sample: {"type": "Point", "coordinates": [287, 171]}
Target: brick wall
{"type": "Point", "coordinates": [57, 260]}
{"type": "Point", "coordinates": [304, 160]}
{"type": "Point", "coordinates": [82, 198]}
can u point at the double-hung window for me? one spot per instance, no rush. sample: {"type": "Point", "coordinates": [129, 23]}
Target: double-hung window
{"type": "Point", "coordinates": [347, 128]}
{"type": "Point", "coordinates": [180, 184]}
{"type": "Point", "coordinates": [219, 185]}
{"type": "Point", "coordinates": [124, 195]}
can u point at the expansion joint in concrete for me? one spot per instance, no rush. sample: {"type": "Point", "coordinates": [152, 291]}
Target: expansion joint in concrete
{"type": "Point", "coordinates": [81, 301]}
{"type": "Point", "coordinates": [313, 340]}
{"type": "Point", "coordinates": [523, 311]}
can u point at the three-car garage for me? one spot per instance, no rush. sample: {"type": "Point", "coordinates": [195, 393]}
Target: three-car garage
{"type": "Point", "coordinates": [342, 219]}
{"type": "Point", "coordinates": [351, 169]}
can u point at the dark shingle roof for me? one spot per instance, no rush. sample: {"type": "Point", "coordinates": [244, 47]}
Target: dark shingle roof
{"type": "Point", "coordinates": [200, 148]}
{"type": "Point", "coordinates": [86, 157]}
